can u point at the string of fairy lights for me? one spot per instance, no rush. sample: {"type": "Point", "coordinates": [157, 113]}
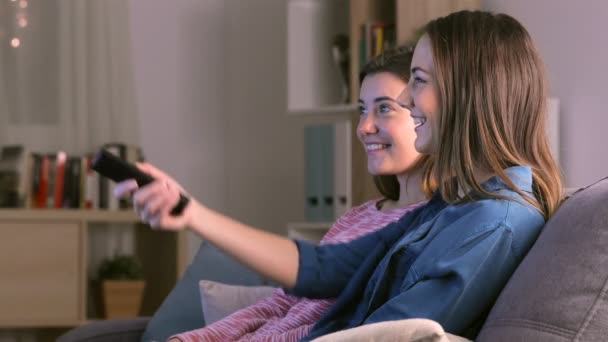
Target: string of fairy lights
{"type": "Point", "coordinates": [20, 22]}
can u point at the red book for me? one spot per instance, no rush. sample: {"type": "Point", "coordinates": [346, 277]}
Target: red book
{"type": "Point", "coordinates": [91, 184]}
{"type": "Point", "coordinates": [43, 186]}
{"type": "Point", "coordinates": [59, 179]}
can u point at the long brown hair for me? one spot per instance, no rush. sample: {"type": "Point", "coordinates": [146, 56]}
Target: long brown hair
{"type": "Point", "coordinates": [397, 62]}
{"type": "Point", "coordinates": [493, 93]}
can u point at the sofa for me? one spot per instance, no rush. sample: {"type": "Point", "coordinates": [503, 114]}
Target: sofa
{"type": "Point", "coordinates": [558, 293]}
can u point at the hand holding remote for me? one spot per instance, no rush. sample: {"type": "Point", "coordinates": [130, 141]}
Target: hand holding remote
{"type": "Point", "coordinates": [118, 170]}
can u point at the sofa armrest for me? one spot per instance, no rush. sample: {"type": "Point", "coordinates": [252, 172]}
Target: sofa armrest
{"type": "Point", "coordinates": [115, 330]}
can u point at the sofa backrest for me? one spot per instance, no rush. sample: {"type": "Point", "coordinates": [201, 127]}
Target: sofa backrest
{"type": "Point", "coordinates": [181, 310]}
{"type": "Point", "coordinates": [560, 290]}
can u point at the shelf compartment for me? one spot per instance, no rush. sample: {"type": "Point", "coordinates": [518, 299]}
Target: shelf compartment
{"type": "Point", "coordinates": [313, 78]}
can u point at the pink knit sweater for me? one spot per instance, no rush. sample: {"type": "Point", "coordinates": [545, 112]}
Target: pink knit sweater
{"type": "Point", "coordinates": [281, 317]}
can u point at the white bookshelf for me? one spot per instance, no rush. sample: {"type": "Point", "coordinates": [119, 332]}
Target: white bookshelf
{"type": "Point", "coordinates": [313, 79]}
{"type": "Point", "coordinates": [314, 83]}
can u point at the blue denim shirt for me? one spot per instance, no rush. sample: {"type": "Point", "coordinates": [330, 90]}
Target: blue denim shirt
{"type": "Point", "coordinates": [444, 262]}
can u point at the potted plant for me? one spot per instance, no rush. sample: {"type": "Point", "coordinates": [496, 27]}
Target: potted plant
{"type": "Point", "coordinates": [122, 284]}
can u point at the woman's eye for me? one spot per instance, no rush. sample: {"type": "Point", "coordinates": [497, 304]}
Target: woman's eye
{"type": "Point", "coordinates": [362, 111]}
{"type": "Point", "coordinates": [384, 108]}
{"type": "Point", "coordinates": [418, 80]}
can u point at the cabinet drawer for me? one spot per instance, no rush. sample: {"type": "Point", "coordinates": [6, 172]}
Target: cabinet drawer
{"type": "Point", "coordinates": [40, 270]}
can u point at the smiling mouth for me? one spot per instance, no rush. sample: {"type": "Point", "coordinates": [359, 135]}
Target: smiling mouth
{"type": "Point", "coordinates": [376, 147]}
{"type": "Point", "coordinates": [419, 121]}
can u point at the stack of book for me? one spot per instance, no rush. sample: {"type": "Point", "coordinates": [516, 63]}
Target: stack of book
{"type": "Point", "coordinates": [375, 38]}
{"type": "Point", "coordinates": [58, 180]}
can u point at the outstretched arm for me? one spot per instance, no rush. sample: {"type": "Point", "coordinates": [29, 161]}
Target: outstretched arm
{"type": "Point", "coordinates": [271, 255]}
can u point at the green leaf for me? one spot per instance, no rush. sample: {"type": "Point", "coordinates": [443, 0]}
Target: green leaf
{"type": "Point", "coordinates": [120, 267]}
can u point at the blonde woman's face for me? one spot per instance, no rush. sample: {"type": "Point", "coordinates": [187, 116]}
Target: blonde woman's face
{"type": "Point", "coordinates": [423, 100]}
{"type": "Point", "coordinates": [385, 128]}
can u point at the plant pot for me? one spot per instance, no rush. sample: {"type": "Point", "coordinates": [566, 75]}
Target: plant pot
{"type": "Point", "coordinates": [122, 298]}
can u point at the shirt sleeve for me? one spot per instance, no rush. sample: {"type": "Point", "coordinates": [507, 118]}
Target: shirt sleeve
{"type": "Point", "coordinates": [324, 270]}
{"type": "Point", "coordinates": [457, 286]}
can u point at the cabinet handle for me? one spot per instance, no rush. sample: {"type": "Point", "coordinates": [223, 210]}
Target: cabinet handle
{"type": "Point", "coordinates": [313, 201]}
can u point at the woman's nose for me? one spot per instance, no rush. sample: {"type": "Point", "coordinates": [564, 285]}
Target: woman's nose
{"type": "Point", "coordinates": [405, 99]}
{"type": "Point", "coordinates": [367, 124]}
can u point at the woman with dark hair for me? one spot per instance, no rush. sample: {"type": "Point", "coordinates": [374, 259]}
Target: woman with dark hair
{"type": "Point", "coordinates": [386, 131]}
{"type": "Point", "coordinates": [478, 98]}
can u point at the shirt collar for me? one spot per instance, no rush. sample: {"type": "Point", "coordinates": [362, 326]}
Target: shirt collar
{"type": "Point", "coordinates": [521, 176]}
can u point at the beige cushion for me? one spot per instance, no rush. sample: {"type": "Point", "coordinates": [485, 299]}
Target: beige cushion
{"type": "Point", "coordinates": [406, 330]}
{"type": "Point", "coordinates": [219, 300]}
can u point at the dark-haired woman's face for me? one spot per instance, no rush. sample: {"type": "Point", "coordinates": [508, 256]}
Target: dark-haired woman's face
{"type": "Point", "coordinates": [423, 100]}
{"type": "Point", "coordinates": [385, 128]}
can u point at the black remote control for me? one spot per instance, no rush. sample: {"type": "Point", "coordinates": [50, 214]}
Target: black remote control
{"type": "Point", "coordinates": [118, 170]}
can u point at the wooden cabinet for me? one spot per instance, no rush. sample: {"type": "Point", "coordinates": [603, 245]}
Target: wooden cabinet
{"type": "Point", "coordinates": [43, 265]}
